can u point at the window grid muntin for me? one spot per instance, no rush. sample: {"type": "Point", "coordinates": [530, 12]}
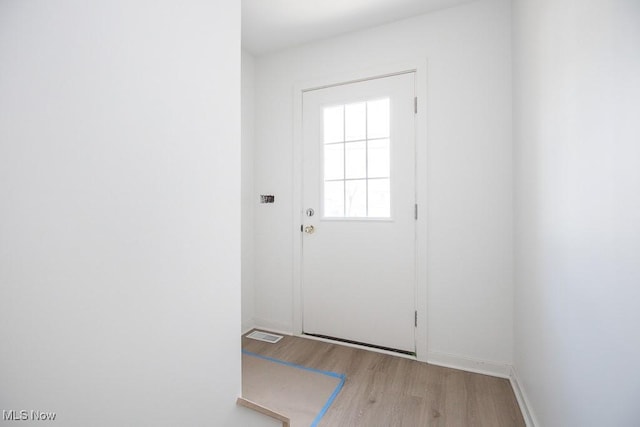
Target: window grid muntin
{"type": "Point", "coordinates": [356, 140]}
{"type": "Point", "coordinates": [366, 178]}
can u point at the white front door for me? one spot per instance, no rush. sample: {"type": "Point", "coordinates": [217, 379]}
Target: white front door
{"type": "Point", "coordinates": [358, 246]}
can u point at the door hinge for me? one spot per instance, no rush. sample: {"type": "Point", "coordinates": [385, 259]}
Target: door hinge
{"type": "Point", "coordinates": [415, 105]}
{"type": "Point", "coordinates": [415, 211]}
{"type": "Point", "coordinates": [416, 318]}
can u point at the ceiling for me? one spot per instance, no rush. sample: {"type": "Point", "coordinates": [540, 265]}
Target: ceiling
{"type": "Point", "coordinates": [271, 25]}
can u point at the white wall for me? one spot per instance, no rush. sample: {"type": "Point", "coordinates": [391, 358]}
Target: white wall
{"type": "Point", "coordinates": [577, 98]}
{"type": "Point", "coordinates": [120, 211]}
{"type": "Point", "coordinates": [248, 196]}
{"type": "Point", "coordinates": [470, 272]}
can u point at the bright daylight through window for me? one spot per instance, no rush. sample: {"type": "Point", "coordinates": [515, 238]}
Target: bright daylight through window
{"type": "Point", "coordinates": [356, 139]}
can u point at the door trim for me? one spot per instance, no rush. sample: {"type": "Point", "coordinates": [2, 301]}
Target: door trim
{"type": "Point", "coordinates": [421, 146]}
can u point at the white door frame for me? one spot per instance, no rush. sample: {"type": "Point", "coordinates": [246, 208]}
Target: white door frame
{"type": "Point", "coordinates": [420, 68]}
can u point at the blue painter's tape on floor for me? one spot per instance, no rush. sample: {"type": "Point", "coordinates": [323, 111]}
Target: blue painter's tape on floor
{"type": "Point", "coordinates": [341, 377]}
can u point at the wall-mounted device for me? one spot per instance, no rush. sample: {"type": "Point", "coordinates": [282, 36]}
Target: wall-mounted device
{"type": "Point", "coordinates": [267, 198]}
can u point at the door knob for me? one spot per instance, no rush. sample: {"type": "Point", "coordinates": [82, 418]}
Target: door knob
{"type": "Point", "coordinates": [309, 229]}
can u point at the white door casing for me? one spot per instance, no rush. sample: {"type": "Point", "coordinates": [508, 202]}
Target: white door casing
{"type": "Point", "coordinates": [358, 266]}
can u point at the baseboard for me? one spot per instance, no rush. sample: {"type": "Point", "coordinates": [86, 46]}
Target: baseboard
{"type": "Point", "coordinates": [275, 327]}
{"type": "Point", "coordinates": [496, 369]}
{"type": "Point", "coordinates": [485, 367]}
{"type": "Point", "coordinates": [521, 397]}
{"type": "Point", "coordinates": [248, 325]}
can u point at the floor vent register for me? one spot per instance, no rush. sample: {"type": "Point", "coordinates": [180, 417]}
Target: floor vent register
{"type": "Point", "coordinates": [264, 336]}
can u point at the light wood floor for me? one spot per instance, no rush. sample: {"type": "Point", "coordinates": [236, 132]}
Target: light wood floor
{"type": "Point", "coordinates": [383, 390]}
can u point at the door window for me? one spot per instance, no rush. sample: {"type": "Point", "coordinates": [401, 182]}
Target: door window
{"type": "Point", "coordinates": [356, 157]}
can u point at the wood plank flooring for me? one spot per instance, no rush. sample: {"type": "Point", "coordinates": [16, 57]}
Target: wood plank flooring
{"type": "Point", "coordinates": [383, 390]}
